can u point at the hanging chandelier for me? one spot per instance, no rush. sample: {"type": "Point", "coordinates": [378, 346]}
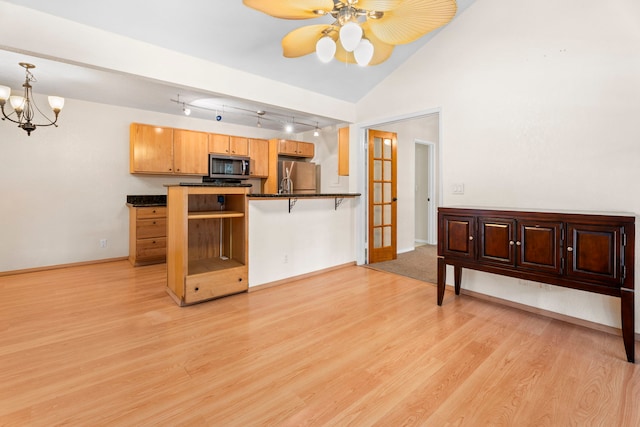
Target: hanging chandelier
{"type": "Point", "coordinates": [24, 107]}
{"type": "Point", "coordinates": [364, 32]}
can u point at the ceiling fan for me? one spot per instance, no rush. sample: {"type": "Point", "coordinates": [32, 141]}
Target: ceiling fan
{"type": "Point", "coordinates": [364, 31]}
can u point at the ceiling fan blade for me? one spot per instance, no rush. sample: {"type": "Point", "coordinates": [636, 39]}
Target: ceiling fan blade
{"type": "Point", "coordinates": [381, 50]}
{"type": "Point", "coordinates": [302, 41]}
{"type": "Point", "coordinates": [378, 5]}
{"type": "Point", "coordinates": [412, 20]}
{"type": "Point", "coordinates": [291, 9]}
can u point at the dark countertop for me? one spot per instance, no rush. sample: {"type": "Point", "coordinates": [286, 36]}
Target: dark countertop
{"type": "Point", "coordinates": [142, 201]}
{"type": "Point", "coordinates": [302, 195]}
{"type": "Point", "coordinates": [207, 184]}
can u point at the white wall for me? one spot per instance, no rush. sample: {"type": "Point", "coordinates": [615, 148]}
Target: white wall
{"type": "Point", "coordinates": [63, 189]}
{"type": "Point", "coordinates": [539, 105]}
{"type": "Point", "coordinates": [314, 236]}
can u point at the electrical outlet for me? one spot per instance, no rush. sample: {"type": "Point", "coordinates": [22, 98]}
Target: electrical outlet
{"type": "Point", "coordinates": [285, 259]}
{"type": "Point", "coordinates": [103, 243]}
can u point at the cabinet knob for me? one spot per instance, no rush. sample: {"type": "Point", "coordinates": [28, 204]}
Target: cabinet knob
{"type": "Point", "coordinates": [511, 242]}
{"type": "Point", "coordinates": [518, 243]}
{"type": "Point", "coordinates": [569, 249]}
{"type": "Point", "coordinates": [470, 237]}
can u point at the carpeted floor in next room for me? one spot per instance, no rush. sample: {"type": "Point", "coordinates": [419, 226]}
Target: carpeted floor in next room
{"type": "Point", "coordinates": [420, 264]}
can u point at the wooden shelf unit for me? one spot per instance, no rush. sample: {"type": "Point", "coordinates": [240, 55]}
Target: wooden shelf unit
{"type": "Point", "coordinates": [206, 242]}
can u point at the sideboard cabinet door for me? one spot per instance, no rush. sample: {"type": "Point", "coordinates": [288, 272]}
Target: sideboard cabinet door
{"type": "Point", "coordinates": [539, 246]}
{"type": "Point", "coordinates": [458, 232]}
{"type": "Point", "coordinates": [594, 253]}
{"type": "Point", "coordinates": [497, 240]}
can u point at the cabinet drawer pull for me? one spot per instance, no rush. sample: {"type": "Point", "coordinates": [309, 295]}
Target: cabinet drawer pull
{"type": "Point", "coordinates": [569, 249]}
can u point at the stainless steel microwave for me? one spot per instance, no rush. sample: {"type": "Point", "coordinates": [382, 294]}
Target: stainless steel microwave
{"type": "Point", "coordinates": [228, 167]}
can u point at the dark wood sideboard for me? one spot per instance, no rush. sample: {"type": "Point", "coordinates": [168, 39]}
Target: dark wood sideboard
{"type": "Point", "coordinates": [590, 252]}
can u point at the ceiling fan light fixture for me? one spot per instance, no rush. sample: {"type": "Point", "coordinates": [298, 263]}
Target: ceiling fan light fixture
{"type": "Point", "coordinates": [325, 49]}
{"type": "Point", "coordinates": [350, 35]}
{"type": "Point", "coordinates": [364, 52]}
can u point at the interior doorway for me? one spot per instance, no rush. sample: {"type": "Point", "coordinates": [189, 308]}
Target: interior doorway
{"type": "Point", "coordinates": [425, 184]}
{"type": "Point", "coordinates": [421, 126]}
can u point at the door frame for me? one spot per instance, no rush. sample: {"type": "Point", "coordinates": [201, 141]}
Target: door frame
{"type": "Point", "coordinates": [359, 148]}
{"type": "Point", "coordinates": [432, 149]}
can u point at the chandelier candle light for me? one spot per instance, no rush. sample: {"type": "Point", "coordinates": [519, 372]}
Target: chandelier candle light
{"type": "Point", "coordinates": [23, 106]}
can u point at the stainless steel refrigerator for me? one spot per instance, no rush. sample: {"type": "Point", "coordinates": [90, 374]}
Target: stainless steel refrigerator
{"type": "Point", "coordinates": [298, 177]}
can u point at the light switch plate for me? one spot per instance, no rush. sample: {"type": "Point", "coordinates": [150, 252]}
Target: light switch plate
{"type": "Point", "coordinates": [458, 188]}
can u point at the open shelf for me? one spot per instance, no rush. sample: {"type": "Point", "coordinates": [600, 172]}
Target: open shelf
{"type": "Point", "coordinates": [211, 264]}
{"type": "Point", "coordinates": [215, 214]}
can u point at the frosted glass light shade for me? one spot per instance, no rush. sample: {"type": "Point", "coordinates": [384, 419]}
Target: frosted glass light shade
{"type": "Point", "coordinates": [17, 102]}
{"type": "Point", "coordinates": [325, 49]}
{"type": "Point", "coordinates": [364, 52]}
{"type": "Point", "coordinates": [350, 35]}
{"type": "Point", "coordinates": [5, 92]}
{"type": "Point", "coordinates": [56, 103]}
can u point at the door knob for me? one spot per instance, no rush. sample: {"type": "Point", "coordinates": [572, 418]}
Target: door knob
{"type": "Point", "coordinates": [394, 199]}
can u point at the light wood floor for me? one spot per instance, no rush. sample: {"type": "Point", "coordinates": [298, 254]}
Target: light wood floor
{"type": "Point", "coordinates": [105, 345]}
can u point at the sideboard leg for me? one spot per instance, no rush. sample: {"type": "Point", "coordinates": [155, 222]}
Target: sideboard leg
{"type": "Point", "coordinates": [457, 278]}
{"type": "Point", "coordinates": [627, 308]}
{"type": "Point", "coordinates": [442, 275]}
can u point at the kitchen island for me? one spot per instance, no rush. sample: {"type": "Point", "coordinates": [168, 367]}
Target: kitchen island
{"type": "Point", "coordinates": [294, 235]}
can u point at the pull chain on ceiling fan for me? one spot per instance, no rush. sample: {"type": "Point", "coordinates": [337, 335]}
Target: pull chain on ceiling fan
{"type": "Point", "coordinates": [364, 31]}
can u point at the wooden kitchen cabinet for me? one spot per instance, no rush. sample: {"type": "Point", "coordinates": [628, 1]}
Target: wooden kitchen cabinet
{"type": "Point", "coordinates": [343, 151]}
{"type": "Point", "coordinates": [160, 150]}
{"type": "Point", "coordinates": [229, 145]}
{"type": "Point", "coordinates": [190, 152]}
{"type": "Point", "coordinates": [296, 148]}
{"type": "Point", "coordinates": [589, 252]}
{"type": "Point", "coordinates": [259, 154]}
{"type": "Point", "coordinates": [147, 235]}
{"type": "Point", "coordinates": [206, 242]}
{"type": "Point", "coordinates": [151, 149]}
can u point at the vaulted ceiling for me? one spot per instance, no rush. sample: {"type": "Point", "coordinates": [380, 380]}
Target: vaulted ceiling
{"type": "Point", "coordinates": [223, 32]}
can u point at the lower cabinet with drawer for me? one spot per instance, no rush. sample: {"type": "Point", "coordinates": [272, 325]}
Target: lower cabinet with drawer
{"type": "Point", "coordinates": [147, 235]}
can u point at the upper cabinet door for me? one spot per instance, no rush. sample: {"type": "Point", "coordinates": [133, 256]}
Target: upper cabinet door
{"type": "Point", "coordinates": [259, 153]}
{"type": "Point", "coordinates": [191, 152]}
{"type": "Point", "coordinates": [539, 245]}
{"type": "Point", "coordinates": [594, 252]}
{"type": "Point", "coordinates": [218, 143]}
{"type": "Point", "coordinates": [305, 149]}
{"type": "Point", "coordinates": [151, 149]}
{"type": "Point", "coordinates": [238, 146]}
{"type": "Point", "coordinates": [457, 236]}
{"type": "Point", "coordinates": [496, 240]}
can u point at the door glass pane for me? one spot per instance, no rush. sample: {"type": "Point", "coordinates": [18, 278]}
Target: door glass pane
{"type": "Point", "coordinates": [387, 214]}
{"type": "Point", "coordinates": [377, 148]}
{"type": "Point", "coordinates": [377, 215]}
{"type": "Point", "coordinates": [387, 170]}
{"type": "Point", "coordinates": [387, 236]}
{"type": "Point", "coordinates": [377, 170]}
{"type": "Point", "coordinates": [377, 193]}
{"type": "Point", "coordinates": [387, 148]}
{"type": "Point", "coordinates": [377, 237]}
{"type": "Point", "coordinates": [387, 192]}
